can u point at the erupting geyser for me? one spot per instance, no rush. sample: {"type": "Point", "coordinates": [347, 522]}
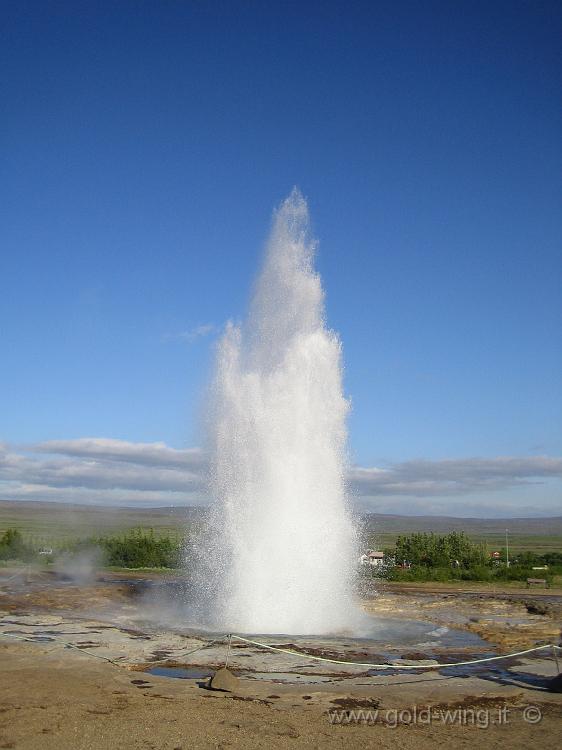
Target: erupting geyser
{"type": "Point", "coordinates": [281, 549]}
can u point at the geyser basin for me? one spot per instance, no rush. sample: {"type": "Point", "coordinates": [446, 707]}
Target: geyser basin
{"type": "Point", "coordinates": [391, 640]}
{"type": "Point", "coordinates": [279, 553]}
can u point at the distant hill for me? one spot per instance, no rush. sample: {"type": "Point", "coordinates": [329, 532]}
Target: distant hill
{"type": "Point", "coordinates": [63, 520]}
{"type": "Point", "coordinates": [58, 520]}
{"type": "Point", "coordinates": [534, 534]}
{"type": "Point", "coordinates": [443, 524]}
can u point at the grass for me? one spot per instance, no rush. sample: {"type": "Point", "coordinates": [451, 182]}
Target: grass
{"type": "Point", "coordinates": [159, 571]}
{"type": "Point", "coordinates": [55, 523]}
{"type": "Point", "coordinates": [61, 521]}
{"type": "Point", "coordinates": [476, 586]}
{"type": "Point", "coordinates": [539, 543]}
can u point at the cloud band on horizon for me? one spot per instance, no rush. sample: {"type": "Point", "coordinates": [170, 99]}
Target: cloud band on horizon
{"type": "Point", "coordinates": [106, 471]}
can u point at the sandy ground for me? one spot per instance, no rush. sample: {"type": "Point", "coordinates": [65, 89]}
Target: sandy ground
{"type": "Point", "coordinates": [52, 696]}
{"type": "Point", "coordinates": [65, 700]}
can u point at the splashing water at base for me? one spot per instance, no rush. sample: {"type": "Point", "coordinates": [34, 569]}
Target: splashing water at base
{"type": "Point", "coordinates": [281, 544]}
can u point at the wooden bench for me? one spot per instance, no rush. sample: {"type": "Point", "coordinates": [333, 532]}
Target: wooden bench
{"type": "Point", "coordinates": [531, 581]}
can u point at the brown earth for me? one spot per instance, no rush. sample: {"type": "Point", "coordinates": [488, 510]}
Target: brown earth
{"type": "Point", "coordinates": [58, 701]}
{"type": "Point", "coordinates": [57, 698]}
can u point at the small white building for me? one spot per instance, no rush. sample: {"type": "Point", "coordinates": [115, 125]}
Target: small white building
{"type": "Point", "coordinates": [371, 557]}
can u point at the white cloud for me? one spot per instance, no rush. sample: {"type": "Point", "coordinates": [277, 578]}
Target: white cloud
{"type": "Point", "coordinates": [103, 470]}
{"type": "Point", "coordinates": [117, 472]}
{"type": "Point", "coordinates": [150, 454]}
{"type": "Point", "coordinates": [88, 496]}
{"type": "Point", "coordinates": [192, 334]}
{"type": "Point", "coordinates": [420, 478]}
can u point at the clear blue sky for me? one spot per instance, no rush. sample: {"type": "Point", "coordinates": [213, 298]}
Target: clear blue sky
{"type": "Point", "coordinates": [144, 145]}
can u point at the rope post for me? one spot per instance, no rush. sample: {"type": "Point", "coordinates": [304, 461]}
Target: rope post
{"type": "Point", "coordinates": [555, 655]}
{"type": "Point", "coordinates": [228, 650]}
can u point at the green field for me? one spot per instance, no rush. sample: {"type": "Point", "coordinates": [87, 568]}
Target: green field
{"type": "Point", "coordinates": [56, 522]}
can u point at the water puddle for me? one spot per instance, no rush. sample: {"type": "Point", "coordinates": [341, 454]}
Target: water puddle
{"type": "Point", "coordinates": [500, 675]}
{"type": "Point", "coordinates": [182, 673]}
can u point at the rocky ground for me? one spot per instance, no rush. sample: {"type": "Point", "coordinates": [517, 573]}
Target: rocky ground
{"type": "Point", "coordinates": [508, 618]}
{"type": "Point", "coordinates": [77, 671]}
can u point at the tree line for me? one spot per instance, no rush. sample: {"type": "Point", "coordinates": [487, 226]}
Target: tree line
{"type": "Point", "coordinates": [136, 548]}
{"type": "Point", "coordinates": [426, 556]}
{"type": "Point", "coordinates": [414, 557]}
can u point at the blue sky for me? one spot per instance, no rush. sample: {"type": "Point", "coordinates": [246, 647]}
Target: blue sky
{"type": "Point", "coordinates": [144, 146]}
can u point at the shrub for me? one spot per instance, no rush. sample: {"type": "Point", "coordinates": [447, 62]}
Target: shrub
{"type": "Point", "coordinates": [141, 549]}
{"type": "Point", "coordinates": [477, 573]}
{"type": "Point", "coordinates": [438, 551]}
{"type": "Point", "coordinates": [13, 547]}
{"type": "Point", "coordinates": [521, 573]}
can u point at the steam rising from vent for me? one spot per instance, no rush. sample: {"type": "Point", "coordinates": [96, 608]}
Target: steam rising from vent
{"type": "Point", "coordinates": [281, 544]}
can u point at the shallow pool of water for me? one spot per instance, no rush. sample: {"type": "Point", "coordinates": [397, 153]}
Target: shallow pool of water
{"type": "Point", "coordinates": [183, 673]}
{"type": "Point", "coordinates": [385, 633]}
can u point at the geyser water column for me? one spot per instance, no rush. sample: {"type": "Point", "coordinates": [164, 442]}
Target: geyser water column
{"type": "Point", "coordinates": [283, 549]}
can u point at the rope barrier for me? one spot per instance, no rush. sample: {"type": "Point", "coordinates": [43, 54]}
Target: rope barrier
{"type": "Point", "coordinates": [301, 655]}
{"type": "Point", "coordinates": [205, 645]}
{"type": "Point", "coordinates": [67, 644]}
{"type": "Point", "coordinates": [394, 666]}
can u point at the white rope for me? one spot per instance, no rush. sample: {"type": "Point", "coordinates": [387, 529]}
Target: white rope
{"type": "Point", "coordinates": [394, 666]}
{"type": "Point", "coordinates": [301, 655]}
{"type": "Point", "coordinates": [59, 642]}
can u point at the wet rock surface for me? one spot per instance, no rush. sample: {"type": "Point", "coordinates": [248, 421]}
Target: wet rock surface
{"type": "Point", "coordinates": [112, 620]}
